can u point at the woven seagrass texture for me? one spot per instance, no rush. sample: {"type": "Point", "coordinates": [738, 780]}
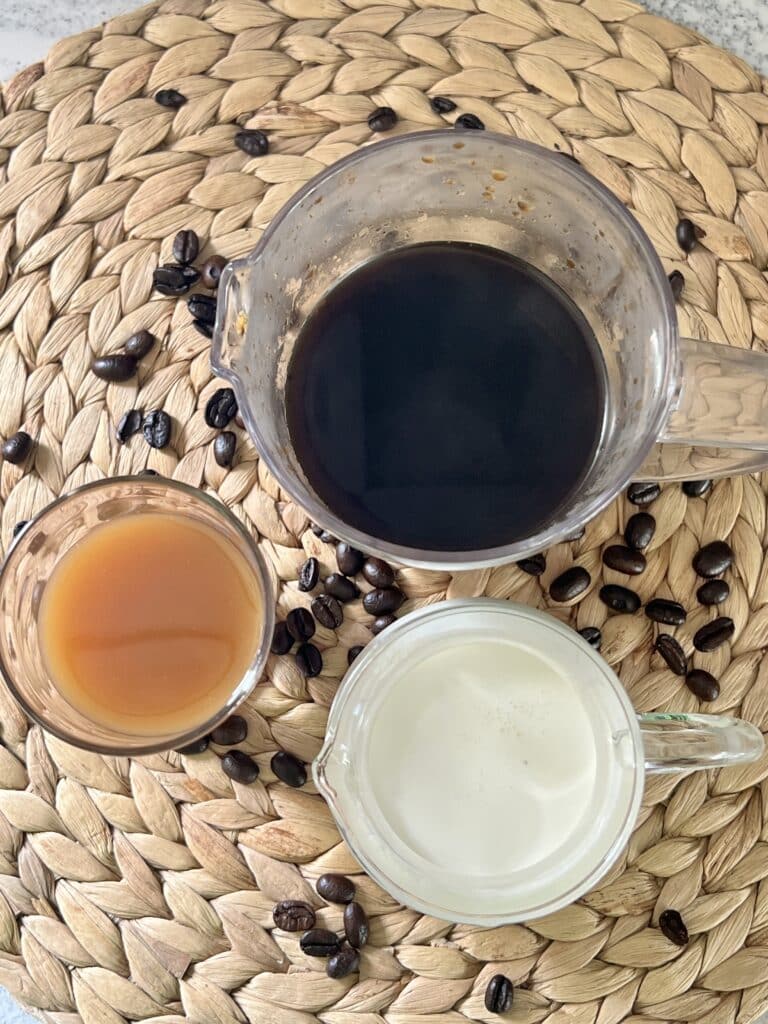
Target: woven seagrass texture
{"type": "Point", "coordinates": [142, 890]}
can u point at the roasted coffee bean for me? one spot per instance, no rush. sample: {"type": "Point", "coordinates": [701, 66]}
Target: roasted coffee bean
{"type": "Point", "coordinates": [320, 942]}
{"type": "Point", "coordinates": [202, 308]}
{"type": "Point", "coordinates": [210, 271]}
{"type": "Point", "coordinates": [499, 994]}
{"type": "Point", "coordinates": [570, 584]}
{"type": "Point", "coordinates": [300, 624]}
{"type": "Point", "coordinates": [640, 530]}
{"type": "Point", "coordinates": [327, 611]}
{"type": "Point", "coordinates": [170, 98]}
{"type": "Point", "coordinates": [202, 328]}
{"type": "Point", "coordinates": [696, 488]}
{"type": "Point", "coordinates": [593, 636]}
{"type": "Point", "coordinates": [576, 535]}
{"type": "Point", "coordinates": [289, 769]}
{"type": "Point", "coordinates": [310, 660]}
{"type": "Point", "coordinates": [713, 559]}
{"type": "Point", "coordinates": [624, 560]}
{"type": "Point", "coordinates": [139, 344]}
{"type": "Point", "coordinates": [713, 592]}
{"type": "Point", "coordinates": [224, 448]}
{"type": "Point", "coordinates": [382, 119]}
{"type": "Point", "coordinates": [186, 246]}
{"type": "Point", "coordinates": [470, 122]}
{"type": "Point", "coordinates": [643, 493]}
{"type": "Point", "coordinates": [239, 767]}
{"type": "Point", "coordinates": [239, 422]}
{"type": "Point", "coordinates": [381, 622]}
{"type": "Point", "coordinates": [356, 925]}
{"type": "Point", "coordinates": [702, 684]}
{"type": "Point", "coordinates": [22, 524]}
{"type": "Point", "coordinates": [130, 424]}
{"type": "Point", "coordinates": [671, 613]}
{"type": "Point", "coordinates": [353, 652]}
{"type": "Point", "coordinates": [252, 141]}
{"type": "Point", "coordinates": [673, 926]}
{"type": "Point", "coordinates": [148, 472]}
{"type": "Point", "coordinates": [677, 284]}
{"type": "Point", "coordinates": [157, 428]}
{"type": "Point", "coordinates": [378, 572]}
{"type": "Point", "coordinates": [117, 367]}
{"type": "Point", "coordinates": [282, 641]}
{"type": "Point", "coordinates": [17, 447]}
{"type": "Point", "coordinates": [714, 634]}
{"type": "Point", "coordinates": [220, 408]}
{"type": "Point", "coordinates": [294, 916]}
{"type": "Point", "coordinates": [349, 559]}
{"type": "Point", "coordinates": [198, 746]}
{"type": "Point", "coordinates": [232, 730]}
{"type": "Point", "coordinates": [335, 888]}
{"type": "Point", "coordinates": [672, 653]}
{"type": "Point", "coordinates": [686, 234]}
{"type": "Point", "coordinates": [174, 279]}
{"type": "Point", "coordinates": [620, 599]}
{"type": "Point", "coordinates": [383, 602]}
{"type": "Point", "coordinates": [442, 105]}
{"type": "Point", "coordinates": [534, 566]}
{"type": "Point", "coordinates": [316, 529]}
{"type": "Point", "coordinates": [340, 587]}
{"type": "Point", "coordinates": [327, 537]}
{"type": "Point", "coordinates": [309, 574]}
{"type": "Point", "coordinates": [345, 962]}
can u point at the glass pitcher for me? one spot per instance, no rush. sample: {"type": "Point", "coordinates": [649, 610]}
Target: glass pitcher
{"type": "Point", "coordinates": [677, 408]}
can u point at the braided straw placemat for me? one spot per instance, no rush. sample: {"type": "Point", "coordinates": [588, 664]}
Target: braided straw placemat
{"type": "Point", "coordinates": [143, 890]}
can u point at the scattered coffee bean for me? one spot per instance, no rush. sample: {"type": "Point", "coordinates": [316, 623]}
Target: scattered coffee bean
{"type": "Point", "coordinates": [576, 535]}
{"type": "Point", "coordinates": [341, 588]}
{"type": "Point", "coordinates": [282, 641]}
{"type": "Point", "coordinates": [294, 916]}
{"type": "Point", "coordinates": [316, 529]}
{"type": "Point", "coordinates": [349, 559]}
{"type": "Point", "coordinates": [335, 888]}
{"type": "Point", "coordinates": [671, 613]}
{"type": "Point", "coordinates": [300, 624]}
{"type": "Point", "coordinates": [289, 769]}
{"type": "Point", "coordinates": [356, 925]}
{"type": "Point", "coordinates": [713, 592]}
{"type": "Point", "coordinates": [17, 447]}
{"type": "Point", "coordinates": [702, 684]}
{"type": "Point", "coordinates": [252, 141]}
{"type": "Point", "coordinates": [353, 652]}
{"type": "Point", "coordinates": [202, 328]}
{"type": "Point", "coordinates": [130, 424]}
{"type": "Point", "coordinates": [320, 942]}
{"type": "Point", "coordinates": [672, 925]}
{"type": "Point", "coordinates": [220, 408]}
{"type": "Point", "coordinates": [534, 566]}
{"type": "Point", "coordinates": [677, 284]}
{"type": "Point", "coordinates": [624, 560]}
{"type": "Point", "coordinates": [174, 279]}
{"type": "Point", "coordinates": [345, 962]}
{"type": "Point", "coordinates": [232, 730]}
{"type": "Point", "coordinates": [686, 234]}
{"type": "Point", "coordinates": [327, 611]}
{"type": "Point", "coordinates": [157, 428]}
{"type": "Point", "coordinates": [570, 584]}
{"type": "Point", "coordinates": [442, 105]}
{"type": "Point", "coordinates": [469, 122]}
{"type": "Point", "coordinates": [139, 344]}
{"type": "Point", "coordinates": [381, 622]}
{"type": "Point", "coordinates": [224, 448]}
{"type": "Point", "coordinates": [310, 661]}
{"type": "Point", "coordinates": [186, 246]}
{"type": "Point", "coordinates": [198, 746]}
{"type": "Point", "coordinates": [22, 524]}
{"type": "Point", "coordinates": [714, 634]}
{"type": "Point", "coordinates": [327, 537]}
{"type": "Point", "coordinates": [619, 599]}
{"type": "Point", "coordinates": [239, 422]}
{"type": "Point", "coordinates": [672, 653]}
{"type": "Point", "coordinates": [696, 488]}
{"type": "Point", "coordinates": [211, 271]}
{"type": "Point", "coordinates": [593, 636]}
{"type": "Point", "coordinates": [170, 98]}
{"type": "Point", "coordinates": [643, 493]}
{"type": "Point", "coordinates": [640, 530]}
{"type": "Point", "coordinates": [240, 767]}
{"type": "Point", "coordinates": [713, 559]}
{"type": "Point", "coordinates": [148, 472]}
{"type": "Point", "coordinates": [117, 367]}
{"type": "Point", "coordinates": [309, 573]}
{"type": "Point", "coordinates": [499, 994]}
{"type": "Point", "coordinates": [378, 573]}
{"type": "Point", "coordinates": [382, 119]}
{"type": "Point", "coordinates": [383, 602]}
{"type": "Point", "coordinates": [202, 308]}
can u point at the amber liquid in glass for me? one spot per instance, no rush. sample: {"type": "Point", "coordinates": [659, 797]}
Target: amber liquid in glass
{"type": "Point", "coordinates": [149, 623]}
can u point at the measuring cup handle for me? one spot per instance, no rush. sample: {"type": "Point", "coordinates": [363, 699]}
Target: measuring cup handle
{"type": "Point", "coordinates": [678, 742]}
{"type": "Point", "coordinates": [719, 423]}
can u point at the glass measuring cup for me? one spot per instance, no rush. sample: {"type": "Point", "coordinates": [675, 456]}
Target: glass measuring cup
{"type": "Point", "coordinates": [675, 408]}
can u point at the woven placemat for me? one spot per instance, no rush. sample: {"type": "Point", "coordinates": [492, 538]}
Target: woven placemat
{"type": "Point", "coordinates": [143, 890]}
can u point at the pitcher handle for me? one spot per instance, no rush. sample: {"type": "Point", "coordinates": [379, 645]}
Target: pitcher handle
{"type": "Point", "coordinates": [678, 742]}
{"type": "Point", "coordinates": [719, 423]}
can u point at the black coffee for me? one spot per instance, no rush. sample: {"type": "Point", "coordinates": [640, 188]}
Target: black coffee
{"type": "Point", "coordinates": [446, 396]}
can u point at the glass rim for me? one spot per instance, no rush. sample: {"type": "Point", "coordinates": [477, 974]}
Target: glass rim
{"type": "Point", "coordinates": [255, 668]}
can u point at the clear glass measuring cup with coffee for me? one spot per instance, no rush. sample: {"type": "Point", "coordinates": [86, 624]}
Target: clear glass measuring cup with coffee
{"type": "Point", "coordinates": [454, 349]}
